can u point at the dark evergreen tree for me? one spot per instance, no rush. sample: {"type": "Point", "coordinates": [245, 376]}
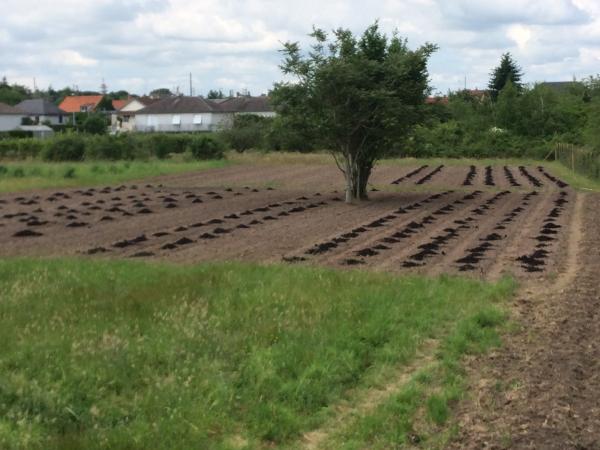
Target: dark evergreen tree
{"type": "Point", "coordinates": [507, 70]}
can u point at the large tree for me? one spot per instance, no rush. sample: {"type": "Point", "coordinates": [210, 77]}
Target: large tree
{"type": "Point", "coordinates": [358, 96]}
{"type": "Point", "coordinates": [508, 70]}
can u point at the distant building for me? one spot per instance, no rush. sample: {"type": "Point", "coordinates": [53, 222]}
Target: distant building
{"type": "Point", "coordinates": [118, 104]}
{"type": "Point", "coordinates": [38, 131]}
{"type": "Point", "coordinates": [10, 117]}
{"type": "Point", "coordinates": [178, 114]}
{"type": "Point", "coordinates": [561, 86]}
{"type": "Point", "coordinates": [123, 118]}
{"type": "Point", "coordinates": [436, 100]}
{"type": "Point", "coordinates": [40, 110]}
{"type": "Point", "coordinates": [80, 103]}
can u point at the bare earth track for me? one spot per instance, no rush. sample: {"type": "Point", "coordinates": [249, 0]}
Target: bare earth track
{"type": "Point", "coordinates": [550, 369]}
{"type": "Point", "coordinates": [479, 221]}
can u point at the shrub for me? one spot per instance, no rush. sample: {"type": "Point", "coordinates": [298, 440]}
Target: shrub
{"type": "Point", "coordinates": [94, 124]}
{"type": "Point", "coordinates": [161, 145]}
{"type": "Point", "coordinates": [248, 131]}
{"type": "Point", "coordinates": [20, 148]}
{"type": "Point", "coordinates": [18, 172]}
{"type": "Point", "coordinates": [110, 147]}
{"type": "Point", "coordinates": [206, 147]}
{"type": "Point", "coordinates": [16, 134]}
{"type": "Point", "coordinates": [65, 148]}
{"type": "Point", "coordinates": [69, 172]}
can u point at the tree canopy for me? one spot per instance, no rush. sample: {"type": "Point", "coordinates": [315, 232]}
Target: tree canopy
{"type": "Point", "coordinates": [161, 92]}
{"type": "Point", "coordinates": [508, 70]}
{"type": "Point", "coordinates": [357, 95]}
{"type": "Point", "coordinates": [215, 94]}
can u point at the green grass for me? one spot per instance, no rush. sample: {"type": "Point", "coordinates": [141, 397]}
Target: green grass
{"type": "Point", "coordinates": [25, 175]}
{"type": "Point", "coordinates": [420, 413]}
{"type": "Point", "coordinates": [576, 180]}
{"type": "Point", "coordinates": [133, 355]}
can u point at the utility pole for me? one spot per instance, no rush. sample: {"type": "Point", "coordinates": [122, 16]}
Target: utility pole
{"type": "Point", "coordinates": [191, 94]}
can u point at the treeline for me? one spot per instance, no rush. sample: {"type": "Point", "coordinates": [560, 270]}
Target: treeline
{"type": "Point", "coordinates": [521, 122]}
{"type": "Point", "coordinates": [80, 147]}
{"type": "Point", "coordinates": [528, 121]}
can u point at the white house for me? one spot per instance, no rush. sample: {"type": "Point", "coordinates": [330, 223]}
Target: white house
{"type": "Point", "coordinates": [124, 118]}
{"type": "Point", "coordinates": [40, 110]}
{"type": "Point", "coordinates": [10, 117]}
{"type": "Point", "coordinates": [188, 114]}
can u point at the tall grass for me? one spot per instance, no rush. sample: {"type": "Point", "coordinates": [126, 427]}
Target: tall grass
{"type": "Point", "coordinates": [132, 355]}
{"type": "Point", "coordinates": [20, 176]}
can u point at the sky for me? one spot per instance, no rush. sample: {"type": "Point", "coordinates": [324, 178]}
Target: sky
{"type": "Point", "coordinates": [139, 45]}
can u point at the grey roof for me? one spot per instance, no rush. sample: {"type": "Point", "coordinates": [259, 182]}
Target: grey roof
{"type": "Point", "coordinates": [40, 107]}
{"type": "Point", "coordinates": [245, 104]}
{"type": "Point", "coordinates": [7, 109]}
{"type": "Point", "coordinates": [178, 105]}
{"type": "Point", "coordinates": [196, 105]}
{"type": "Point", "coordinates": [560, 85]}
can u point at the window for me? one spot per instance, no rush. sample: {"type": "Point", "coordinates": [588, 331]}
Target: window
{"type": "Point", "coordinates": [198, 119]}
{"type": "Point", "coordinates": [176, 120]}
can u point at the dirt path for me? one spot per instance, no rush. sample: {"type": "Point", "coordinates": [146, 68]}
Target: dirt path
{"type": "Point", "coordinates": [541, 390]}
{"type": "Point", "coordinates": [367, 400]}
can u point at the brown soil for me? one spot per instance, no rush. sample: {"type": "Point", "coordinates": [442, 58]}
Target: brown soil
{"type": "Point", "coordinates": [479, 221]}
{"type": "Point", "coordinates": [541, 390]}
{"type": "Point", "coordinates": [419, 219]}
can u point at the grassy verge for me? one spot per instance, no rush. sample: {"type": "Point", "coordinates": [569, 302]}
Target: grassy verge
{"type": "Point", "coordinates": [576, 180]}
{"type": "Point", "coordinates": [133, 355]}
{"type": "Point", "coordinates": [420, 414]}
{"type": "Point", "coordinates": [20, 176]}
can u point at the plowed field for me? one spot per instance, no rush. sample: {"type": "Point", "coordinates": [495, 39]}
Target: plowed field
{"type": "Point", "coordinates": [478, 220]}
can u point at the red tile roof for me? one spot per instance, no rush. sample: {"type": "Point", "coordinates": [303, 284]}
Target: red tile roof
{"type": "Point", "coordinates": [118, 104]}
{"type": "Point", "coordinates": [434, 100]}
{"type": "Point", "coordinates": [78, 103]}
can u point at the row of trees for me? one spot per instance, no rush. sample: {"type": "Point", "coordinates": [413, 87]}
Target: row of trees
{"type": "Point", "coordinates": [14, 93]}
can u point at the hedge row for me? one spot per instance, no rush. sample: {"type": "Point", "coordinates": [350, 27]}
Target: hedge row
{"type": "Point", "coordinates": [78, 147]}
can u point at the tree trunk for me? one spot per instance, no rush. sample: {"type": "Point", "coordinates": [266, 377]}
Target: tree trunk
{"type": "Point", "coordinates": [357, 175]}
{"type": "Point", "coordinates": [363, 179]}
{"type": "Point", "coordinates": [350, 179]}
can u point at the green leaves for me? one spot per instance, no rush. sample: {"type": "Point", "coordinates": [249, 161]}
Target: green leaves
{"type": "Point", "coordinates": [357, 96]}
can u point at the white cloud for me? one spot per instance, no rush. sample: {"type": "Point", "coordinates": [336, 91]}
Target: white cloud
{"type": "Point", "coordinates": [73, 58]}
{"type": "Point", "coordinates": [143, 44]}
{"type": "Point", "coordinates": [520, 34]}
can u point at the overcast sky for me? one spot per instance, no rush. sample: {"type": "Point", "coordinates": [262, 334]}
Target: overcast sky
{"type": "Point", "coordinates": [139, 45]}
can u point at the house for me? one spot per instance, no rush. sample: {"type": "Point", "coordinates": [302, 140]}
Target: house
{"type": "Point", "coordinates": [40, 110]}
{"type": "Point", "coordinates": [175, 114]}
{"type": "Point", "coordinates": [118, 104]}
{"type": "Point", "coordinates": [226, 109]}
{"type": "Point", "coordinates": [478, 94]}
{"type": "Point", "coordinates": [10, 117]}
{"type": "Point", "coordinates": [80, 103]}
{"type": "Point", "coordinates": [436, 100]}
{"type": "Point", "coordinates": [123, 118]}
{"type": "Point", "coordinates": [561, 87]}
{"type": "Point", "coordinates": [38, 131]}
